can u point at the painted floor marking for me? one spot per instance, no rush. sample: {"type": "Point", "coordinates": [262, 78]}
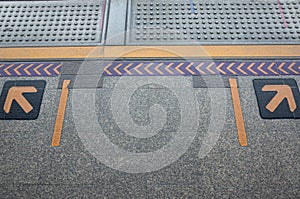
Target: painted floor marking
{"type": "Point", "coordinates": [28, 69]}
{"type": "Point", "coordinates": [60, 114]}
{"type": "Point", "coordinates": [238, 113]}
{"type": "Point", "coordinates": [207, 51]}
{"type": "Point", "coordinates": [22, 99]}
{"type": "Point", "coordinates": [238, 68]}
{"type": "Point", "coordinates": [16, 93]}
{"type": "Point", "coordinates": [277, 98]}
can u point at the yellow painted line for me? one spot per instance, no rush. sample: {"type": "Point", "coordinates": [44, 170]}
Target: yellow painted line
{"type": "Point", "coordinates": [46, 69]}
{"type": "Point", "coordinates": [106, 69]}
{"type": "Point", "coordinates": [199, 68]}
{"type": "Point", "coordinates": [36, 69]}
{"type": "Point", "coordinates": [17, 68]}
{"type": "Point", "coordinates": [188, 68]}
{"type": "Point", "coordinates": [56, 69]}
{"type": "Point", "coordinates": [147, 69]}
{"type": "Point", "coordinates": [168, 68]}
{"type": "Point", "coordinates": [270, 69]}
{"type": "Point", "coordinates": [26, 69]}
{"type": "Point", "coordinates": [260, 68]}
{"type": "Point", "coordinates": [177, 68]}
{"type": "Point", "coordinates": [157, 68]}
{"type": "Point", "coordinates": [137, 68]}
{"type": "Point", "coordinates": [217, 51]}
{"type": "Point", "coordinates": [229, 68]}
{"type": "Point", "coordinates": [219, 68]}
{"type": "Point", "coordinates": [281, 69]}
{"type": "Point", "coordinates": [117, 67]}
{"type": "Point", "coordinates": [238, 113]}
{"type": "Point", "coordinates": [60, 113]}
{"type": "Point", "coordinates": [126, 69]}
{"type": "Point", "coordinates": [291, 68]}
{"type": "Point", "coordinates": [6, 69]}
{"type": "Point", "coordinates": [240, 68]}
{"type": "Point", "coordinates": [209, 66]}
{"type": "Point", "coordinates": [250, 68]}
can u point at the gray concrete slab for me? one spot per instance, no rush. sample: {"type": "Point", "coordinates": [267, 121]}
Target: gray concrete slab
{"type": "Point", "coordinates": [91, 191]}
{"type": "Point", "coordinates": [20, 156]}
{"type": "Point", "coordinates": [71, 163]}
{"type": "Point", "coordinates": [21, 142]}
{"type": "Point", "coordinates": [128, 82]}
{"type": "Point", "coordinates": [268, 167]}
{"type": "Point", "coordinates": [18, 191]}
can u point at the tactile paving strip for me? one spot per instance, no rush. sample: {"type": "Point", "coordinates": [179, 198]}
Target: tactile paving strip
{"type": "Point", "coordinates": [222, 22]}
{"type": "Point", "coordinates": [51, 23]}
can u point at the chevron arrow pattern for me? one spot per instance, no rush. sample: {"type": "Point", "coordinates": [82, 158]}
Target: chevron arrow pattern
{"type": "Point", "coordinates": [30, 69]}
{"type": "Point", "coordinates": [202, 68]}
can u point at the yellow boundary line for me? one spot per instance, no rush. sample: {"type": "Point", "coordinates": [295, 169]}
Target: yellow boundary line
{"type": "Point", "coordinates": [238, 113]}
{"type": "Point", "coordinates": [242, 51]}
{"type": "Point", "coordinates": [60, 114]}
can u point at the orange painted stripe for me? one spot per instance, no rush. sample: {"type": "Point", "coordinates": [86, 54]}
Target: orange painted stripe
{"type": "Point", "coordinates": [238, 113]}
{"type": "Point", "coordinates": [106, 69]}
{"type": "Point", "coordinates": [209, 51]}
{"type": "Point", "coordinates": [60, 113]}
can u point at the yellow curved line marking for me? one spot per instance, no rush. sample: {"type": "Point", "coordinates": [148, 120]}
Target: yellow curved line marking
{"type": "Point", "coordinates": [137, 68]}
{"type": "Point", "coordinates": [46, 69]}
{"type": "Point", "coordinates": [260, 68]}
{"type": "Point", "coordinates": [188, 68]}
{"type": "Point", "coordinates": [208, 68]}
{"type": "Point", "coordinates": [229, 68]}
{"type": "Point", "coordinates": [26, 69]}
{"type": "Point", "coordinates": [240, 68]}
{"type": "Point", "coordinates": [36, 69]}
{"type": "Point", "coordinates": [126, 69]}
{"type": "Point", "coordinates": [147, 68]}
{"type": "Point", "coordinates": [106, 69]}
{"type": "Point", "coordinates": [157, 68]}
{"type": "Point", "coordinates": [219, 68]}
{"type": "Point", "coordinates": [117, 67]}
{"type": "Point", "coordinates": [6, 69]}
{"type": "Point", "coordinates": [291, 68]}
{"type": "Point", "coordinates": [270, 69]}
{"type": "Point", "coordinates": [281, 69]}
{"type": "Point", "coordinates": [17, 68]}
{"type": "Point", "coordinates": [56, 69]}
{"type": "Point", "coordinates": [168, 68]}
{"type": "Point", "coordinates": [198, 68]}
{"type": "Point", "coordinates": [250, 68]}
{"type": "Point", "coordinates": [178, 68]}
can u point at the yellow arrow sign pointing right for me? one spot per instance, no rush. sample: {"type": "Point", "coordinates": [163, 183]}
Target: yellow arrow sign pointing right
{"type": "Point", "coordinates": [16, 93]}
{"type": "Point", "coordinates": [283, 92]}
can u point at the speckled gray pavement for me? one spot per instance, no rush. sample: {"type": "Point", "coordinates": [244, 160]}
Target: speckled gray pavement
{"type": "Point", "coordinates": [269, 167]}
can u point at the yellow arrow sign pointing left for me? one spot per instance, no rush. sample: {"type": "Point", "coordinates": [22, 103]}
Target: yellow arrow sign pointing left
{"type": "Point", "coordinates": [16, 93]}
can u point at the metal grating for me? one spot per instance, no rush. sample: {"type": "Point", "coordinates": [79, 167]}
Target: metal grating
{"type": "Point", "coordinates": [209, 22]}
{"type": "Point", "coordinates": [57, 23]}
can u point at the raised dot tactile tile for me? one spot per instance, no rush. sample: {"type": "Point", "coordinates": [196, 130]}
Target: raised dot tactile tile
{"type": "Point", "coordinates": [221, 22]}
{"type": "Point", "coordinates": [50, 23]}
